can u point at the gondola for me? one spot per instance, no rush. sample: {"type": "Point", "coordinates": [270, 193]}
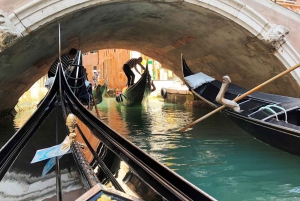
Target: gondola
{"type": "Point", "coordinates": [108, 165]}
{"type": "Point", "coordinates": [133, 95]}
{"type": "Point", "coordinates": [103, 89]}
{"type": "Point", "coordinates": [99, 92]}
{"type": "Point", "coordinates": [270, 118]}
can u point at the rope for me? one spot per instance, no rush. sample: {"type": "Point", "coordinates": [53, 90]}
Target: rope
{"type": "Point", "coordinates": [77, 87]}
{"type": "Point", "coordinates": [267, 108]}
{"type": "Point", "coordinates": [74, 78]}
{"type": "Point", "coordinates": [281, 108]}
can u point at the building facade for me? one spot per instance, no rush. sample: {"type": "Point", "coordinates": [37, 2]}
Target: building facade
{"type": "Point", "coordinates": [293, 5]}
{"type": "Point", "coordinates": [106, 65]}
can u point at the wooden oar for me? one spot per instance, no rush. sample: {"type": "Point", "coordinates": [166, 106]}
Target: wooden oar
{"type": "Point", "coordinates": [95, 104]}
{"type": "Point", "coordinates": [94, 101]}
{"type": "Point", "coordinates": [241, 97]}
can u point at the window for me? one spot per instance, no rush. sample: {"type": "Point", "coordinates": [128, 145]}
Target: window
{"type": "Point", "coordinates": [94, 52]}
{"type": "Point", "coordinates": [102, 71]}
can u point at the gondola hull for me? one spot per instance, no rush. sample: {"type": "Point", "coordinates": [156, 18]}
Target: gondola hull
{"type": "Point", "coordinates": [99, 92]}
{"type": "Point", "coordinates": [103, 89]}
{"type": "Point", "coordinates": [134, 95]}
{"type": "Point", "coordinates": [281, 138]}
{"type": "Point", "coordinates": [279, 128]}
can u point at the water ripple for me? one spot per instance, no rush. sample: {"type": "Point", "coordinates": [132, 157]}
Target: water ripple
{"type": "Point", "coordinates": [214, 155]}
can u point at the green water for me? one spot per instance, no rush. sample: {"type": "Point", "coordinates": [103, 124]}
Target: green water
{"type": "Point", "coordinates": [215, 155]}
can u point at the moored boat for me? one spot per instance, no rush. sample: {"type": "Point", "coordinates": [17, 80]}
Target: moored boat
{"type": "Point", "coordinates": [270, 118]}
{"type": "Point", "coordinates": [99, 92]}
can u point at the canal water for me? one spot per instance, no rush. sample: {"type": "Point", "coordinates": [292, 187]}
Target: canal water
{"type": "Point", "coordinates": [215, 155]}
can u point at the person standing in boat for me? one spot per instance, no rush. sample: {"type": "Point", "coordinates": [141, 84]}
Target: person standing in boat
{"type": "Point", "coordinates": [95, 78]}
{"type": "Point", "coordinates": [66, 60]}
{"type": "Point", "coordinates": [131, 63]}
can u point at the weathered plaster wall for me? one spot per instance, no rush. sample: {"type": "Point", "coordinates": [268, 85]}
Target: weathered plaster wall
{"type": "Point", "coordinates": [279, 15]}
{"type": "Point", "coordinates": [9, 6]}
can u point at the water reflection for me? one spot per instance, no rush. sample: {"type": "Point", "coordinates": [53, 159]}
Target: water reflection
{"type": "Point", "coordinates": [24, 180]}
{"type": "Point", "coordinates": [21, 117]}
{"type": "Point", "coordinates": [214, 155]}
{"type": "Point", "coordinates": [21, 186]}
{"type": "Point", "coordinates": [134, 117]}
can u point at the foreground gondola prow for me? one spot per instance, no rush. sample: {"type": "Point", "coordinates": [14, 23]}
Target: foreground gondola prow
{"type": "Point", "coordinates": [153, 179]}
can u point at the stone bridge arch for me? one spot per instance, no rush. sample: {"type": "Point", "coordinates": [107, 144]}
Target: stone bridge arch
{"type": "Point", "coordinates": [217, 37]}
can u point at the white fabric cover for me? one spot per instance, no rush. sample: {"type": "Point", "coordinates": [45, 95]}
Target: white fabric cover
{"type": "Point", "coordinates": [198, 79]}
{"type": "Point", "coordinates": [87, 84]}
{"type": "Point", "coordinates": [49, 83]}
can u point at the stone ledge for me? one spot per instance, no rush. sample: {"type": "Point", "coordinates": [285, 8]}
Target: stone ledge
{"type": "Point", "coordinates": [187, 100]}
{"type": "Point", "coordinates": [198, 104]}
